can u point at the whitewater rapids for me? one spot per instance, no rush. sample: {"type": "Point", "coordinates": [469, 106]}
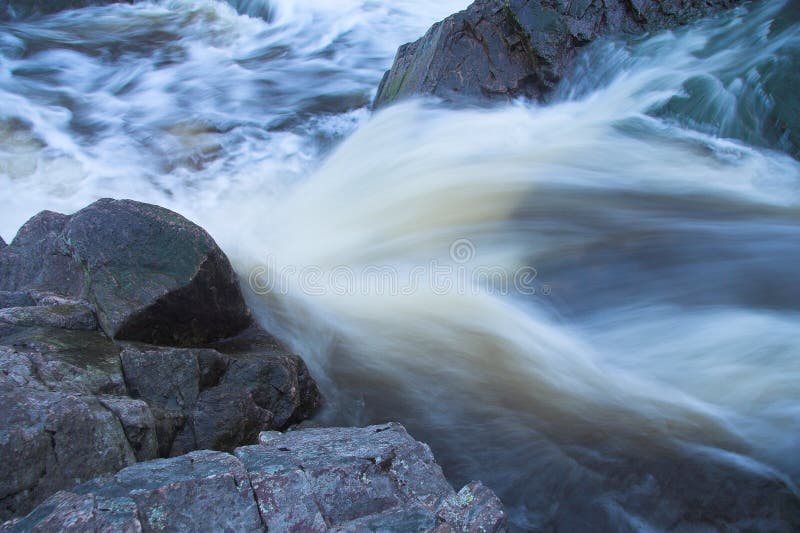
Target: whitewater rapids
{"type": "Point", "coordinates": [657, 335]}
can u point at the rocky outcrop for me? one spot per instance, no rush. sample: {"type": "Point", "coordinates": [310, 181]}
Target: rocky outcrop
{"type": "Point", "coordinates": [74, 405]}
{"type": "Point", "coordinates": [336, 479]}
{"type": "Point", "coordinates": [502, 49]}
{"type": "Point", "coordinates": [76, 401]}
{"type": "Point", "coordinates": [20, 9]}
{"type": "Point", "coordinates": [152, 275]}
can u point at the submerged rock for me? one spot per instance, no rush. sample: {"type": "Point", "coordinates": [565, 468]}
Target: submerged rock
{"type": "Point", "coordinates": [502, 49]}
{"type": "Point", "coordinates": [20, 9]}
{"type": "Point", "coordinates": [152, 275]}
{"type": "Point", "coordinates": [334, 479]}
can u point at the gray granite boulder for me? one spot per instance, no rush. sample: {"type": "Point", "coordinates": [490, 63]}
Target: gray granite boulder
{"type": "Point", "coordinates": [502, 49]}
{"type": "Point", "coordinates": [151, 275]}
{"type": "Point", "coordinates": [335, 479]}
{"type": "Point", "coordinates": [154, 276]}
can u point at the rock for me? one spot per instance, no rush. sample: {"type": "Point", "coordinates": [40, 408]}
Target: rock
{"type": "Point", "coordinates": [152, 275]}
{"type": "Point", "coordinates": [76, 402]}
{"type": "Point", "coordinates": [138, 423]}
{"type": "Point", "coordinates": [474, 508]}
{"type": "Point", "coordinates": [39, 258]}
{"type": "Point", "coordinates": [222, 418]}
{"type": "Point", "coordinates": [156, 277]}
{"type": "Point", "coordinates": [15, 299]}
{"type": "Point", "coordinates": [72, 395]}
{"type": "Point", "coordinates": [334, 479]}
{"type": "Point", "coordinates": [354, 479]}
{"type": "Point", "coordinates": [76, 513]}
{"type": "Point", "coordinates": [166, 378]}
{"type": "Point", "coordinates": [77, 315]}
{"type": "Point", "coordinates": [86, 362]}
{"type": "Point", "coordinates": [342, 475]}
{"type": "Point", "coordinates": [2, 243]}
{"type": "Point", "coordinates": [201, 491]}
{"type": "Point", "coordinates": [202, 398]}
{"type": "Point", "coordinates": [50, 439]}
{"type": "Point", "coordinates": [502, 49]}
{"type": "Point", "coordinates": [20, 9]}
{"type": "Point", "coordinates": [279, 382]}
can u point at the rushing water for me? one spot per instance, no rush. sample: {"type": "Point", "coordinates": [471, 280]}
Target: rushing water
{"type": "Point", "coordinates": [646, 374]}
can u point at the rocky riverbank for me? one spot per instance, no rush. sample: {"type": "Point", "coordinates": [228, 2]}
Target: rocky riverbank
{"type": "Point", "coordinates": [503, 49]}
{"type": "Point", "coordinates": [336, 479]}
{"type": "Point", "coordinates": [124, 338]}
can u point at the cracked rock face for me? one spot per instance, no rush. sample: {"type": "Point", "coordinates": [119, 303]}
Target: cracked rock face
{"type": "Point", "coordinates": [76, 403]}
{"type": "Point", "coordinates": [503, 49]}
{"type": "Point", "coordinates": [333, 479]}
{"type": "Point", "coordinates": [50, 439]}
{"type": "Point", "coordinates": [73, 405]}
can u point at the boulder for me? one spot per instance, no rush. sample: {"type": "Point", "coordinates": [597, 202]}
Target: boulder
{"type": "Point", "coordinates": [77, 401]}
{"type": "Point", "coordinates": [2, 243]}
{"type": "Point", "coordinates": [152, 275]}
{"type": "Point", "coordinates": [334, 479]}
{"type": "Point", "coordinates": [20, 9]}
{"type": "Point", "coordinates": [503, 49]}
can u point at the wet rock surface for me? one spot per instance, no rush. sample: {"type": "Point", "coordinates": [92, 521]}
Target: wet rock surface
{"type": "Point", "coordinates": [503, 49]}
{"type": "Point", "coordinates": [332, 479]}
{"type": "Point", "coordinates": [76, 402]}
{"type": "Point", "coordinates": [152, 275]}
